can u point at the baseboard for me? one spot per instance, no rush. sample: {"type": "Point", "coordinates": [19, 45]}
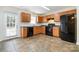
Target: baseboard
{"type": "Point", "coordinates": [77, 43]}
{"type": "Point", "coordinates": [10, 38]}
{"type": "Point", "coordinates": [1, 40]}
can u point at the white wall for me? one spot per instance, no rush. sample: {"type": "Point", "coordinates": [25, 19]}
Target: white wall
{"type": "Point", "coordinates": [77, 25]}
{"type": "Point", "coordinates": [4, 10]}
{"type": "Point", "coordinates": [1, 26]}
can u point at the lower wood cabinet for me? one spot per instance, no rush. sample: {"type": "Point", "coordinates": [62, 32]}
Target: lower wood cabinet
{"type": "Point", "coordinates": [27, 31]}
{"type": "Point", "coordinates": [55, 31]}
{"type": "Point", "coordinates": [42, 29]}
{"type": "Point", "coordinates": [39, 30]}
{"type": "Point", "coordinates": [36, 30]}
{"type": "Point", "coordinates": [23, 32]}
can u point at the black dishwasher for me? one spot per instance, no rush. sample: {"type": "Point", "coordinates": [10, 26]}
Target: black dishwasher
{"type": "Point", "coordinates": [29, 31]}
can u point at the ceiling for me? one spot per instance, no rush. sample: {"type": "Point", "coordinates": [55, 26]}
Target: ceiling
{"type": "Point", "coordinates": [41, 10]}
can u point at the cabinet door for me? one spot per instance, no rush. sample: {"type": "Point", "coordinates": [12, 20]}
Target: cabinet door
{"type": "Point", "coordinates": [57, 17]}
{"type": "Point", "coordinates": [25, 17]}
{"type": "Point", "coordinates": [40, 19]}
{"type": "Point", "coordinates": [56, 31]}
{"type": "Point", "coordinates": [47, 18]}
{"type": "Point", "coordinates": [28, 17]}
{"type": "Point", "coordinates": [42, 29]}
{"type": "Point", "coordinates": [36, 30]}
{"type": "Point", "coordinates": [23, 32]}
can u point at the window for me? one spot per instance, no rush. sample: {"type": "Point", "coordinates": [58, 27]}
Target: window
{"type": "Point", "coordinates": [33, 19]}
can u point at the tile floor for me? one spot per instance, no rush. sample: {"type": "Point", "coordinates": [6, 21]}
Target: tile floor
{"type": "Point", "coordinates": [38, 43]}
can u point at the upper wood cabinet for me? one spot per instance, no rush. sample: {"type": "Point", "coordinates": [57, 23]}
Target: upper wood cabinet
{"type": "Point", "coordinates": [47, 18]}
{"type": "Point", "coordinates": [56, 17]}
{"type": "Point", "coordinates": [68, 12]}
{"type": "Point", "coordinates": [40, 19]}
{"type": "Point", "coordinates": [25, 17]}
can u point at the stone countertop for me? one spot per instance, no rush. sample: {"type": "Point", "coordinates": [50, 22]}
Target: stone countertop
{"type": "Point", "coordinates": [32, 25]}
{"type": "Point", "coordinates": [57, 26]}
{"type": "Point", "coordinates": [37, 25]}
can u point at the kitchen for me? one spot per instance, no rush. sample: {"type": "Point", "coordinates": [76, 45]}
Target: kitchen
{"type": "Point", "coordinates": [52, 29]}
{"type": "Point", "coordinates": [39, 23]}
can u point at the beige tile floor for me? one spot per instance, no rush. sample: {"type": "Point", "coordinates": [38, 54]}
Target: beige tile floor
{"type": "Point", "coordinates": [38, 43]}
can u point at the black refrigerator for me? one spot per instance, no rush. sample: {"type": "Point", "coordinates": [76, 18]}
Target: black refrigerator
{"type": "Point", "coordinates": [67, 28]}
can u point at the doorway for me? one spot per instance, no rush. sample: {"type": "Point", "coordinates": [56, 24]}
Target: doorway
{"type": "Point", "coordinates": [11, 25]}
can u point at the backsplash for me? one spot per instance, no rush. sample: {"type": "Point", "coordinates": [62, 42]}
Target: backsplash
{"type": "Point", "coordinates": [37, 24]}
{"type": "Point", "coordinates": [57, 23]}
{"type": "Point", "coordinates": [30, 24]}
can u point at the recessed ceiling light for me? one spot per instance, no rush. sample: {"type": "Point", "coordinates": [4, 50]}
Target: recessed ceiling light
{"type": "Point", "coordinates": [45, 8]}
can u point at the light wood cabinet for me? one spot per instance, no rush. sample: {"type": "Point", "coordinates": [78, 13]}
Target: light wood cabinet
{"type": "Point", "coordinates": [36, 30]}
{"type": "Point", "coordinates": [55, 31]}
{"type": "Point", "coordinates": [28, 17]}
{"type": "Point", "coordinates": [23, 32]}
{"type": "Point", "coordinates": [47, 18]}
{"type": "Point", "coordinates": [56, 17]}
{"type": "Point", "coordinates": [42, 29]}
{"type": "Point", "coordinates": [25, 17]}
{"type": "Point", "coordinates": [40, 19]}
{"type": "Point", "coordinates": [68, 12]}
{"type": "Point", "coordinates": [39, 30]}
